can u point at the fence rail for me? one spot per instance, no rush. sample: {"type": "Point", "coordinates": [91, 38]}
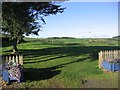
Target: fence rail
{"type": "Point", "coordinates": [108, 54]}
{"type": "Point", "coordinates": [17, 58]}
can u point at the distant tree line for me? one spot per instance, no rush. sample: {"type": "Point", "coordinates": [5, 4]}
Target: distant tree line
{"type": "Point", "coordinates": [61, 38]}
{"type": "Point", "coordinates": [116, 36]}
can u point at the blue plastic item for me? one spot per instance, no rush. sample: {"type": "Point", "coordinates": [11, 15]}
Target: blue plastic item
{"type": "Point", "coordinates": [12, 71]}
{"type": "Point", "coordinates": [5, 75]}
{"type": "Point", "coordinates": [111, 66]}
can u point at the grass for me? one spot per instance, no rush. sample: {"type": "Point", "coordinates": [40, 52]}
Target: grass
{"type": "Point", "coordinates": [63, 63]}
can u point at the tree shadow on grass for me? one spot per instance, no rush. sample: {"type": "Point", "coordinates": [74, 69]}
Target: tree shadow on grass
{"type": "Point", "coordinates": [64, 51]}
{"type": "Point", "coordinates": [10, 43]}
{"type": "Point", "coordinates": [40, 60]}
{"type": "Point", "coordinates": [6, 44]}
{"type": "Point", "coordinates": [36, 74]}
{"type": "Point", "coordinates": [67, 51]}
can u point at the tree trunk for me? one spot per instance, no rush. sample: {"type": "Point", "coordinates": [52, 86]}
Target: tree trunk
{"type": "Point", "coordinates": [15, 45]}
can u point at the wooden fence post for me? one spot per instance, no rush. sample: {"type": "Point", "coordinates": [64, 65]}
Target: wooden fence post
{"type": "Point", "coordinates": [119, 54]}
{"type": "Point", "coordinates": [100, 59]}
{"type": "Point", "coordinates": [16, 58]}
{"type": "Point", "coordinates": [21, 59]}
{"type": "Point", "coordinates": [6, 59]}
{"type": "Point", "coordinates": [111, 54]}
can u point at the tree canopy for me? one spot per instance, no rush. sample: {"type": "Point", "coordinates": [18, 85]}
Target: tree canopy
{"type": "Point", "coordinates": [23, 18]}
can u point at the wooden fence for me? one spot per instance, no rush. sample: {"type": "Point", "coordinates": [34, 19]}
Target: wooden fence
{"type": "Point", "coordinates": [17, 58]}
{"type": "Point", "coordinates": [111, 54]}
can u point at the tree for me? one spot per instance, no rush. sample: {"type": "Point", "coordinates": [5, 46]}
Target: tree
{"type": "Point", "coordinates": [23, 18]}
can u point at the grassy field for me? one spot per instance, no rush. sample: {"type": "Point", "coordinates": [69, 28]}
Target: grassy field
{"type": "Point", "coordinates": [64, 63]}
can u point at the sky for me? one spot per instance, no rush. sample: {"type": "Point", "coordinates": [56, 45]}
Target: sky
{"type": "Point", "coordinates": [83, 20]}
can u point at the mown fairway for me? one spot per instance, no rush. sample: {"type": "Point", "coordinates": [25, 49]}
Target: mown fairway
{"type": "Point", "coordinates": [64, 63]}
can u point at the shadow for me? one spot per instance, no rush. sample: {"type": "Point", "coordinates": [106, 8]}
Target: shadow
{"type": "Point", "coordinates": [67, 51]}
{"type": "Point", "coordinates": [36, 74]}
{"type": "Point", "coordinates": [6, 44]}
{"type": "Point", "coordinates": [10, 43]}
{"type": "Point", "coordinates": [78, 60]}
{"type": "Point", "coordinates": [39, 60]}
{"type": "Point", "coordinates": [59, 43]}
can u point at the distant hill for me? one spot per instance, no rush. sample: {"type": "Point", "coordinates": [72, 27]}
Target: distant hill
{"type": "Point", "coordinates": [116, 36]}
{"type": "Point", "coordinates": [61, 38]}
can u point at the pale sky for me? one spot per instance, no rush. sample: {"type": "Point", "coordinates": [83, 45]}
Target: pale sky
{"type": "Point", "coordinates": [83, 20]}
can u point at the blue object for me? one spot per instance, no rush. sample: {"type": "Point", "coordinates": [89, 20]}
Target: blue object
{"type": "Point", "coordinates": [12, 71]}
{"type": "Point", "coordinates": [111, 66]}
{"type": "Point", "coordinates": [5, 75]}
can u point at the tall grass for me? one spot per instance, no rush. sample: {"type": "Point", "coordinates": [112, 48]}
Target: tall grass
{"type": "Point", "coordinates": [63, 63]}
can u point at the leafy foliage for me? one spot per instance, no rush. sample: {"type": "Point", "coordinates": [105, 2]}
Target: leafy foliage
{"type": "Point", "coordinates": [21, 18]}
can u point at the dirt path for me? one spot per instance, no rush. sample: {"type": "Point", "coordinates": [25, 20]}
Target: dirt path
{"type": "Point", "coordinates": [99, 84]}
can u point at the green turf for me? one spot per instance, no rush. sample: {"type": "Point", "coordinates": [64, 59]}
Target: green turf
{"type": "Point", "coordinates": [63, 63]}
